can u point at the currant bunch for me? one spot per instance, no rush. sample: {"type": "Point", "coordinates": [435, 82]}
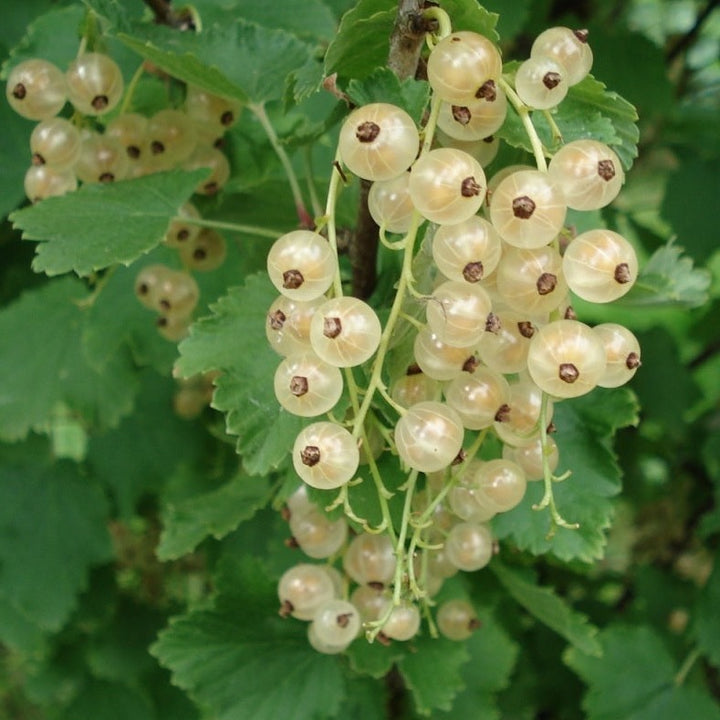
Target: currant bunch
{"type": "Point", "coordinates": [496, 343]}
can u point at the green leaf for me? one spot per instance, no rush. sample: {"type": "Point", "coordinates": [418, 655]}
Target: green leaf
{"type": "Point", "coordinates": [138, 456]}
{"type": "Point", "coordinates": [53, 525]}
{"type": "Point", "coordinates": [44, 365]}
{"type": "Point", "coordinates": [585, 428]}
{"type": "Point", "coordinates": [492, 659]}
{"type": "Point", "coordinates": [669, 279]}
{"type": "Point", "coordinates": [109, 701]}
{"type": "Point", "coordinates": [382, 85]}
{"type": "Point", "coordinates": [588, 111]}
{"type": "Point", "coordinates": [706, 621]}
{"type": "Point", "coordinates": [240, 660]}
{"type": "Point", "coordinates": [634, 680]}
{"type": "Point", "coordinates": [19, 633]}
{"type": "Point", "coordinates": [374, 659]}
{"type": "Point", "coordinates": [432, 672]}
{"type": "Point", "coordinates": [104, 224]}
{"type": "Point", "coordinates": [15, 156]}
{"type": "Point", "coordinates": [233, 340]}
{"type": "Point", "coordinates": [238, 59]}
{"type": "Point", "coordinates": [547, 607]}
{"type": "Point", "coordinates": [217, 513]}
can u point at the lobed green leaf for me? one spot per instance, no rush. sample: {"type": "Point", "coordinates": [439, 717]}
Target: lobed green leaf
{"type": "Point", "coordinates": [104, 224]}
{"type": "Point", "coordinates": [382, 85]}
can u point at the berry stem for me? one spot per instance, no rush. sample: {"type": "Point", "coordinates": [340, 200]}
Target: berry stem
{"type": "Point", "coordinates": [554, 129]}
{"type": "Point", "coordinates": [310, 179]}
{"type": "Point", "coordinates": [524, 112]}
{"type": "Point", "coordinates": [548, 499]}
{"type": "Point", "coordinates": [687, 666]}
{"type": "Point", "coordinates": [443, 20]}
{"type": "Point", "coordinates": [234, 227]}
{"type": "Point", "coordinates": [131, 87]}
{"type": "Point", "coordinates": [258, 110]}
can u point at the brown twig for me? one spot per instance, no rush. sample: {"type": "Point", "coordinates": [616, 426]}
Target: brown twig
{"type": "Point", "coordinates": [165, 15]}
{"type": "Point", "coordinates": [405, 46]}
{"type": "Point", "coordinates": [689, 37]}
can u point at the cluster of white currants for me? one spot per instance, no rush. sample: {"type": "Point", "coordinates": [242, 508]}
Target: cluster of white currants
{"type": "Point", "coordinates": [314, 592]}
{"type": "Point", "coordinates": [99, 145]}
{"type": "Point", "coordinates": [500, 343]}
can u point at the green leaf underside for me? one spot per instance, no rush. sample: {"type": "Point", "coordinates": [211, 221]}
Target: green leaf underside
{"type": "Point", "coordinates": [242, 661]}
{"type": "Point", "coordinates": [187, 523]}
{"type": "Point", "coordinates": [104, 224]}
{"type": "Point", "coordinates": [585, 428]}
{"type": "Point", "coordinates": [263, 59]}
{"type": "Point", "coordinates": [588, 111]}
{"type": "Point", "coordinates": [44, 369]}
{"type": "Point", "coordinates": [706, 626]}
{"type": "Point", "coordinates": [634, 679]}
{"type": "Point", "coordinates": [382, 85]}
{"type": "Point", "coordinates": [669, 279]}
{"type": "Point", "coordinates": [52, 529]}
{"type": "Point", "coordinates": [233, 340]}
{"type": "Point", "coordinates": [547, 607]}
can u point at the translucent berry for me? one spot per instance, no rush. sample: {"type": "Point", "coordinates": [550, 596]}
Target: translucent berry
{"type": "Point", "coordinates": [316, 535]}
{"type": "Point", "coordinates": [336, 623]}
{"type": "Point", "coordinates": [502, 482]}
{"type": "Point", "coordinates": [541, 82]}
{"type": "Point", "coordinates": [505, 347]}
{"type": "Point", "coordinates": [567, 47]}
{"type": "Point", "coordinates": [463, 66]}
{"type": "Point", "coordinates": [457, 313]}
{"type": "Point", "coordinates": [304, 588]}
{"type": "Point", "coordinates": [370, 559]}
{"type": "Point", "coordinates": [390, 205]}
{"type": "Point", "coordinates": [102, 160]}
{"type": "Point", "coordinates": [204, 252]}
{"type": "Point", "coordinates": [479, 397]}
{"type": "Point", "coordinates": [622, 352]}
{"type": "Point", "coordinates": [55, 142]}
{"type": "Point", "coordinates": [204, 156]}
{"type": "Point", "coordinates": [441, 361]}
{"type": "Point", "coordinates": [36, 89]}
{"type": "Point", "coordinates": [307, 386]}
{"type": "Point", "coordinates": [429, 436]}
{"type": "Point", "coordinates": [447, 186]}
{"type": "Point", "coordinates": [325, 455]}
{"type": "Point", "coordinates": [414, 388]}
{"type": "Point", "coordinates": [403, 623]}
{"type": "Point", "coordinates": [94, 83]}
{"type": "Point", "coordinates": [521, 424]}
{"type": "Point", "coordinates": [180, 232]}
{"type": "Point", "coordinates": [476, 119]}
{"type": "Point", "coordinates": [288, 324]}
{"type": "Point", "coordinates": [566, 359]}
{"type": "Point", "coordinates": [457, 620]}
{"type": "Point", "coordinates": [378, 141]}
{"type": "Point", "coordinates": [345, 331]}
{"type": "Point", "coordinates": [43, 181]}
{"type": "Point", "coordinates": [468, 251]}
{"type": "Point", "coordinates": [130, 129]}
{"type": "Point", "coordinates": [469, 546]}
{"type": "Point", "coordinates": [530, 457]}
{"type": "Point", "coordinates": [301, 265]}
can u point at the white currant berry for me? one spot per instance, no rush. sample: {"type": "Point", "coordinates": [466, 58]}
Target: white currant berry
{"type": "Point", "coordinates": [336, 623]}
{"type": "Point", "coordinates": [429, 436]}
{"type": "Point", "coordinates": [588, 174]}
{"type": "Point", "coordinates": [307, 386]}
{"type": "Point", "coordinates": [569, 48]}
{"type": "Point", "coordinates": [467, 500]}
{"type": "Point", "coordinates": [370, 559]}
{"type": "Point", "coordinates": [378, 141]}
{"type": "Point", "coordinates": [171, 138]}
{"type": "Point", "coordinates": [55, 142]}
{"type": "Point", "coordinates": [463, 66]}
{"type": "Point", "coordinates": [36, 89]}
{"type": "Point", "coordinates": [345, 331]}
{"type": "Point", "coordinates": [94, 83]}
{"type": "Point", "coordinates": [288, 324]}
{"type": "Point", "coordinates": [130, 129]}
{"type": "Point", "coordinates": [325, 455]}
{"type": "Point", "coordinates": [530, 457]}
{"type": "Point", "coordinates": [622, 352]}
{"type": "Point", "coordinates": [457, 620]}
{"type": "Point", "coordinates": [44, 181]}
{"type": "Point", "coordinates": [390, 204]}
{"type": "Point", "coordinates": [502, 482]}
{"type": "Point", "coordinates": [148, 282]}
{"type": "Point", "coordinates": [102, 160]}
{"type": "Point", "coordinates": [173, 327]}
{"type": "Point", "coordinates": [370, 602]}
{"type": "Point", "coordinates": [479, 398]}
{"type": "Point", "coordinates": [414, 387]}
{"type": "Point", "coordinates": [204, 252]}
{"type": "Point", "coordinates": [520, 425]}
{"type": "Point", "coordinates": [403, 623]}
{"type": "Point", "coordinates": [457, 313]}
{"type": "Point", "coordinates": [304, 588]}
{"type": "Point", "coordinates": [600, 266]}
{"type": "Point", "coordinates": [504, 347]}
{"type": "Point", "coordinates": [527, 210]}
{"type": "Point", "coordinates": [468, 251]}
{"type": "Point", "coordinates": [204, 156]}
{"type": "Point", "coordinates": [469, 546]}
{"type": "Point", "coordinates": [532, 280]}
{"type": "Point", "coordinates": [316, 535]}
{"type": "Point", "coordinates": [441, 361]}
{"type": "Point", "coordinates": [541, 82]}
{"type": "Point", "coordinates": [301, 265]}
{"type": "Point", "coordinates": [447, 185]}
{"type": "Point", "coordinates": [180, 231]}
{"type": "Point", "coordinates": [475, 119]}
{"type": "Point", "coordinates": [213, 113]}
{"type": "Point", "coordinates": [566, 359]}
